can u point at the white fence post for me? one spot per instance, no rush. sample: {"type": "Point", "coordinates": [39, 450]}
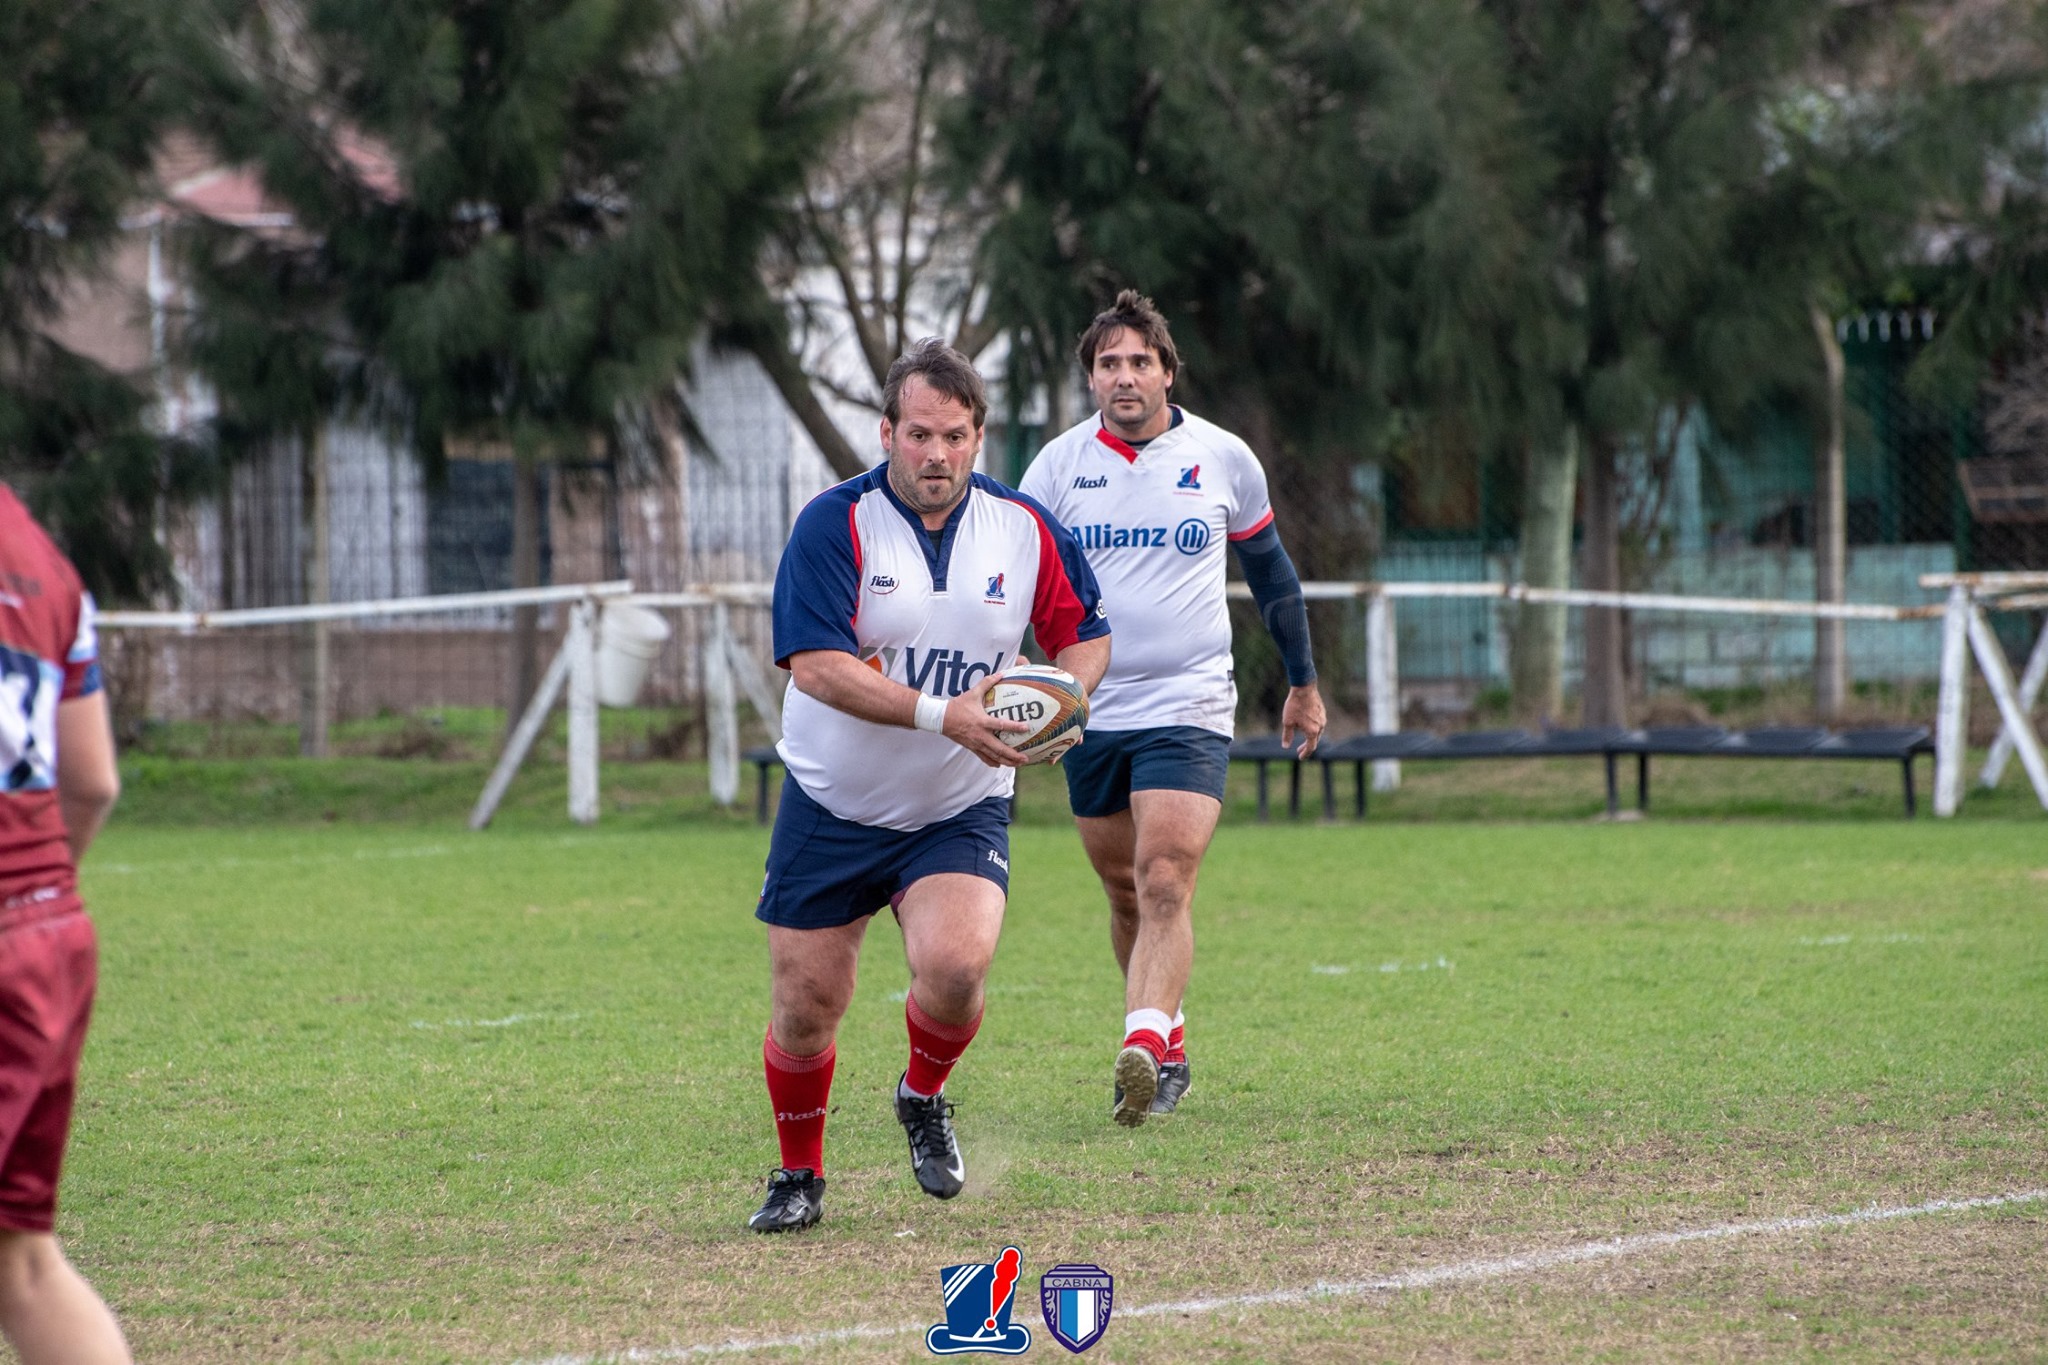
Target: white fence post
{"type": "Point", "coordinates": [722, 720]}
{"type": "Point", "coordinates": [2030, 692]}
{"type": "Point", "coordinates": [1952, 715]}
{"type": "Point", "coordinates": [523, 736]}
{"type": "Point", "coordinates": [583, 735]}
{"type": "Point", "coordinates": [2018, 724]}
{"type": "Point", "coordinates": [752, 681]}
{"type": "Point", "coordinates": [1382, 684]}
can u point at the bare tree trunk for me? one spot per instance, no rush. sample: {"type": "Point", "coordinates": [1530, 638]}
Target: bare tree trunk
{"type": "Point", "coordinates": [1605, 700]}
{"type": "Point", "coordinates": [525, 662]}
{"type": "Point", "coordinates": [772, 349]}
{"type": "Point", "coordinates": [1830, 532]}
{"type": "Point", "coordinates": [1538, 664]}
{"type": "Point", "coordinates": [315, 676]}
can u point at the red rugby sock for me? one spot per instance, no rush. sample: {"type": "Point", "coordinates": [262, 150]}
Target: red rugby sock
{"type": "Point", "coordinates": [798, 1088]}
{"type": "Point", "coordinates": [934, 1048]}
{"type": "Point", "coordinates": [1176, 1043]}
{"type": "Point", "coordinates": [1147, 1028]}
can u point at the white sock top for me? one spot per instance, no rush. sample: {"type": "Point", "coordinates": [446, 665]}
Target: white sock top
{"type": "Point", "coordinates": [1155, 1020]}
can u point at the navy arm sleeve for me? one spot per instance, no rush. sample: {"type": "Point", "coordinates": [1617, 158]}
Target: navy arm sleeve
{"type": "Point", "coordinates": [1277, 589]}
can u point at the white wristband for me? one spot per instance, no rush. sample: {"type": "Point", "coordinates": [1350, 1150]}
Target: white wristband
{"type": "Point", "coordinates": [931, 713]}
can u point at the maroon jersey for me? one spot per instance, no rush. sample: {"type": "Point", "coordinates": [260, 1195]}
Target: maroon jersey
{"type": "Point", "coordinates": [48, 654]}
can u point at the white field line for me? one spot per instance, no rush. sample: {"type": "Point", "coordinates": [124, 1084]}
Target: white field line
{"type": "Point", "coordinates": [507, 1022]}
{"type": "Point", "coordinates": [1458, 1272]}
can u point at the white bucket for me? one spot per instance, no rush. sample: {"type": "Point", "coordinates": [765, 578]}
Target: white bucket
{"type": "Point", "coordinates": [628, 639]}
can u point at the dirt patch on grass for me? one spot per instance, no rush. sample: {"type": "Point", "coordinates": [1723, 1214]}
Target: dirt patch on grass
{"type": "Point", "coordinates": [570, 1281]}
{"type": "Point", "coordinates": [1932, 1288]}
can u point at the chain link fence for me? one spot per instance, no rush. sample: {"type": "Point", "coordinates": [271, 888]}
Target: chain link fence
{"type": "Point", "coordinates": [368, 525]}
{"type": "Point", "coordinates": [1704, 514]}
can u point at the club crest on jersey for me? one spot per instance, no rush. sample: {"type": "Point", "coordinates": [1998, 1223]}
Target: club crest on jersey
{"type": "Point", "coordinates": [995, 589]}
{"type": "Point", "coordinates": [1076, 1300]}
{"type": "Point", "coordinates": [1099, 481]}
{"type": "Point", "coordinates": [882, 585]}
{"type": "Point", "coordinates": [978, 1303]}
{"type": "Point", "coordinates": [1191, 478]}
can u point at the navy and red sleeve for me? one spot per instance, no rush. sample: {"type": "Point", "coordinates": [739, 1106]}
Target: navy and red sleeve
{"type": "Point", "coordinates": [817, 584]}
{"type": "Point", "coordinates": [82, 659]}
{"type": "Point", "coordinates": [1067, 607]}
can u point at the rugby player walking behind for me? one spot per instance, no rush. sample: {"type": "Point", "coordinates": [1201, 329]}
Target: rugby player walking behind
{"type": "Point", "coordinates": [1152, 492]}
{"type": "Point", "coordinates": [57, 783]}
{"type": "Point", "coordinates": [900, 595]}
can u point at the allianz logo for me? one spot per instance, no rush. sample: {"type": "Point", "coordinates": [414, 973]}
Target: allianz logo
{"type": "Point", "coordinates": [1191, 537]}
{"type": "Point", "coordinates": [1099, 481]}
{"type": "Point", "coordinates": [1105, 537]}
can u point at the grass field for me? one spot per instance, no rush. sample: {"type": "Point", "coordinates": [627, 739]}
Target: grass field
{"type": "Point", "coordinates": [381, 1089]}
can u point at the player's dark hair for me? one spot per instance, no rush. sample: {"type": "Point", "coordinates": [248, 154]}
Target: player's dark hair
{"type": "Point", "coordinates": [944, 369]}
{"type": "Point", "coordinates": [1141, 315]}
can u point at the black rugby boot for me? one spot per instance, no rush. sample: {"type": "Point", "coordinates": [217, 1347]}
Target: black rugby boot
{"type": "Point", "coordinates": [1137, 1081]}
{"type": "Point", "coordinates": [796, 1199]}
{"type": "Point", "coordinates": [1174, 1081]}
{"type": "Point", "coordinates": [934, 1154]}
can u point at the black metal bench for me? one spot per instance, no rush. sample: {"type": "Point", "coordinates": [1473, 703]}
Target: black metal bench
{"type": "Point", "coordinates": [1263, 751]}
{"type": "Point", "coordinates": [1901, 744]}
{"type": "Point", "coordinates": [763, 760]}
{"type": "Point", "coordinates": [1609, 744]}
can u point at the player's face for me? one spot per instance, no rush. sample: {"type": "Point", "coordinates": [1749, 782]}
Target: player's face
{"type": "Point", "coordinates": [932, 447]}
{"type": "Point", "coordinates": [1130, 386]}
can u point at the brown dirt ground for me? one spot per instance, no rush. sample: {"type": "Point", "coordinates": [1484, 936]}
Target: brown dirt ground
{"type": "Point", "coordinates": [1944, 1285]}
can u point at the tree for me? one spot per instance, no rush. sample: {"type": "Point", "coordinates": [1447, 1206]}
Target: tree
{"type": "Point", "coordinates": [82, 94]}
{"type": "Point", "coordinates": [880, 248]}
{"type": "Point", "coordinates": [1291, 182]}
{"type": "Point", "coordinates": [512, 219]}
{"type": "Point", "coordinates": [1720, 174]}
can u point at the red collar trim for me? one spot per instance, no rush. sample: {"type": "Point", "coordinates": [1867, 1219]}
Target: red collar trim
{"type": "Point", "coordinates": [1117, 443]}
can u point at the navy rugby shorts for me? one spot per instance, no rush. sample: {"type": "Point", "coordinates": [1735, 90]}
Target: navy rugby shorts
{"type": "Point", "coordinates": [1107, 766]}
{"type": "Point", "coordinates": [824, 871]}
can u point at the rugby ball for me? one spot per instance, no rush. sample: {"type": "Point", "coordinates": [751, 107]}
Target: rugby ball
{"type": "Point", "coordinates": [1049, 700]}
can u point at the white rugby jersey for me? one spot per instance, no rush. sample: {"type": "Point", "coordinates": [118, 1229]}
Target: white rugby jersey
{"type": "Point", "coordinates": [859, 574]}
{"type": "Point", "coordinates": [1153, 523]}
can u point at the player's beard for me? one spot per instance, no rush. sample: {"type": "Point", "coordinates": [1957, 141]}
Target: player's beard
{"type": "Point", "coordinates": [910, 485]}
{"type": "Point", "coordinates": [1130, 419]}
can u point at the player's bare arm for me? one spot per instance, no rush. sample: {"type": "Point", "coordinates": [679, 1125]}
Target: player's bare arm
{"type": "Point", "coordinates": [846, 684]}
{"type": "Point", "coordinates": [88, 781]}
{"type": "Point", "coordinates": [1087, 660]}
